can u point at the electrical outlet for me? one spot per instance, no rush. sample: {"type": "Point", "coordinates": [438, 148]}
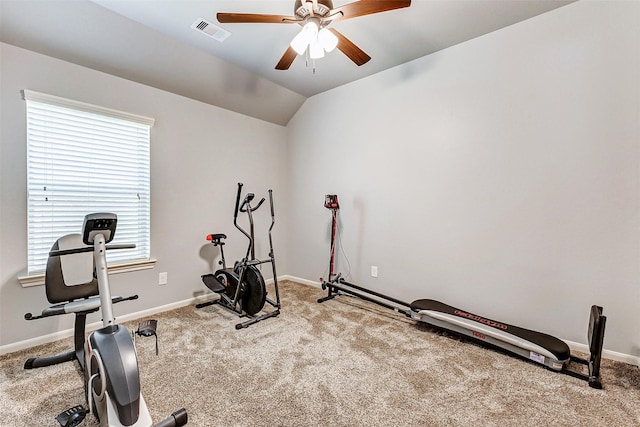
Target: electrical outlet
{"type": "Point", "coordinates": [162, 278]}
{"type": "Point", "coordinates": [374, 271]}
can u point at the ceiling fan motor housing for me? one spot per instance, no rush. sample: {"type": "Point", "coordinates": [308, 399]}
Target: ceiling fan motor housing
{"type": "Point", "coordinates": [323, 8]}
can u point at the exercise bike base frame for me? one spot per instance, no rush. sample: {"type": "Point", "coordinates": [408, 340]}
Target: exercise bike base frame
{"type": "Point", "coordinates": [79, 328]}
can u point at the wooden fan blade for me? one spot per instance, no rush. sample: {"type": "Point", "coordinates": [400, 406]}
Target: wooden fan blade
{"type": "Point", "coordinates": [239, 18]}
{"type": "Point", "coordinates": [367, 7]}
{"type": "Point", "coordinates": [287, 59]}
{"type": "Point", "coordinates": [352, 51]}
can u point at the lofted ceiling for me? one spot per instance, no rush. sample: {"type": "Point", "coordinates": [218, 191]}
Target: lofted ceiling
{"type": "Point", "coordinates": [152, 42]}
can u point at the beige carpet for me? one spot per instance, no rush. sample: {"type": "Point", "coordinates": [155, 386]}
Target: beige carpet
{"type": "Point", "coordinates": [341, 363]}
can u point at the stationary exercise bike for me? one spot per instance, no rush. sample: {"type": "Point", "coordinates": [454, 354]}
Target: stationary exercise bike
{"type": "Point", "coordinates": [242, 289]}
{"type": "Point", "coordinates": [79, 282]}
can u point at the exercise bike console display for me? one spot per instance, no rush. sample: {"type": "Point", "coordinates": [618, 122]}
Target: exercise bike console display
{"type": "Point", "coordinates": [99, 223]}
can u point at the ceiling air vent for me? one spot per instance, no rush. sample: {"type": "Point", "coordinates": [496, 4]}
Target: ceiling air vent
{"type": "Point", "coordinates": [211, 30]}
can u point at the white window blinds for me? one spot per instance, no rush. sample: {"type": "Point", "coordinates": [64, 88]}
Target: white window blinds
{"type": "Point", "coordinates": [82, 159]}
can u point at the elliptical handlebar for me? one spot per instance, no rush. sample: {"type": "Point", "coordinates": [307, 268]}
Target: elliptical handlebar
{"type": "Point", "coordinates": [273, 216]}
{"type": "Point", "coordinates": [238, 208]}
{"type": "Point", "coordinates": [245, 207]}
{"type": "Point", "coordinates": [235, 212]}
{"type": "Point", "coordinates": [271, 202]}
{"type": "Point", "coordinates": [247, 201]}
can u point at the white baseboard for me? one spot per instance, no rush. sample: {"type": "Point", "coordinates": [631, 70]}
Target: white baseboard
{"type": "Point", "coordinates": [21, 345]}
{"type": "Point", "coordinates": [606, 354]}
{"type": "Point", "coordinates": [45, 339]}
{"type": "Point", "coordinates": [300, 280]}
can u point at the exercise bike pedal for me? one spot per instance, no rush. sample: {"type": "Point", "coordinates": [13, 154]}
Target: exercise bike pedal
{"type": "Point", "coordinates": [147, 328]}
{"type": "Point", "coordinates": [212, 282]}
{"type": "Point", "coordinates": [72, 416]}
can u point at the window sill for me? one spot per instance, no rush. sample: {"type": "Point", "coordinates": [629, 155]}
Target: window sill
{"type": "Point", "coordinates": [123, 267]}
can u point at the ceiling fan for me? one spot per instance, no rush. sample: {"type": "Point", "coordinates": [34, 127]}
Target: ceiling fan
{"type": "Point", "coordinates": [314, 16]}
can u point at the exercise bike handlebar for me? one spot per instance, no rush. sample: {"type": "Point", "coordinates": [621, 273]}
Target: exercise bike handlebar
{"type": "Point", "coordinates": [78, 306]}
{"type": "Point", "coordinates": [63, 252]}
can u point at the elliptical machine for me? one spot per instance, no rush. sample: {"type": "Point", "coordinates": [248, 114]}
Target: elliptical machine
{"type": "Point", "coordinates": [109, 360]}
{"type": "Point", "coordinates": [242, 289]}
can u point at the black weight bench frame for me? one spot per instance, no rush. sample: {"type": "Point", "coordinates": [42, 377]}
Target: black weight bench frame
{"type": "Point", "coordinates": [536, 347]}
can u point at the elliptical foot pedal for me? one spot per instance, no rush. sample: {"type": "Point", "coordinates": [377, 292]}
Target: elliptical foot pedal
{"type": "Point", "coordinates": [72, 416]}
{"type": "Point", "coordinates": [213, 283]}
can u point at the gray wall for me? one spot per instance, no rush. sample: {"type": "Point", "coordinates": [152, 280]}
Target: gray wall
{"type": "Point", "coordinates": [499, 176]}
{"type": "Point", "coordinates": [198, 154]}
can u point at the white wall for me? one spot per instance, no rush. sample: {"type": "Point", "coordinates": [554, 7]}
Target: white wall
{"type": "Point", "coordinates": [198, 154]}
{"type": "Point", "coordinates": [499, 176]}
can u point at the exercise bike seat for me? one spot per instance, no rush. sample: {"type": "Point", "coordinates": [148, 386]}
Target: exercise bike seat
{"type": "Point", "coordinates": [70, 277]}
{"type": "Point", "coordinates": [216, 238]}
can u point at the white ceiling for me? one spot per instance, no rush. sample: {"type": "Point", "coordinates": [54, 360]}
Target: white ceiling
{"type": "Point", "coordinates": [151, 42]}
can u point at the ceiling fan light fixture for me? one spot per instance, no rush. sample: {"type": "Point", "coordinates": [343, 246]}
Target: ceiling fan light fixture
{"type": "Point", "coordinates": [307, 35]}
{"type": "Point", "coordinates": [327, 39]}
{"type": "Point", "coordinates": [299, 43]}
{"type": "Point", "coordinates": [316, 51]}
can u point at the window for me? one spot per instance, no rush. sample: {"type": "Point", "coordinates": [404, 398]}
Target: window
{"type": "Point", "coordinates": [82, 159]}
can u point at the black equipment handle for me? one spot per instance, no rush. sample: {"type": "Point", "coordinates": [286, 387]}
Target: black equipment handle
{"type": "Point", "coordinates": [62, 252]}
{"type": "Point", "coordinates": [59, 309]}
{"type": "Point", "coordinates": [247, 199]}
{"type": "Point", "coordinates": [271, 202]}
{"type": "Point", "coordinates": [177, 419]}
{"type": "Point", "coordinates": [121, 246]}
{"type": "Point", "coordinates": [235, 212]}
{"type": "Point", "coordinates": [247, 202]}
